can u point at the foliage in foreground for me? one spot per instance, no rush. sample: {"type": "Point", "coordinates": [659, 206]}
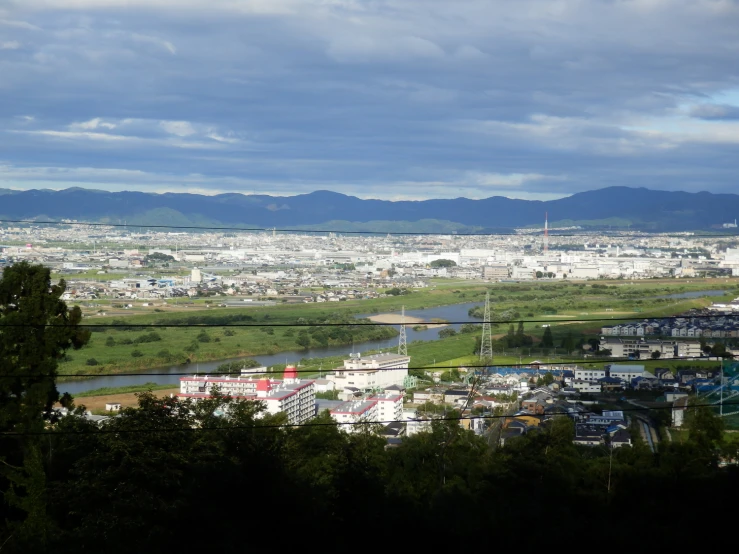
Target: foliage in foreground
{"type": "Point", "coordinates": [152, 476]}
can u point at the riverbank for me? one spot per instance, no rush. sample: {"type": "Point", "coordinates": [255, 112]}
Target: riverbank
{"type": "Point", "coordinates": [397, 319]}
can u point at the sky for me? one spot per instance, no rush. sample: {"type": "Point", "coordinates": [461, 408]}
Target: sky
{"type": "Point", "coordinates": [392, 99]}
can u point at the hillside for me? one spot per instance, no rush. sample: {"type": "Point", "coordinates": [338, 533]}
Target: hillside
{"type": "Point", "coordinates": [636, 208]}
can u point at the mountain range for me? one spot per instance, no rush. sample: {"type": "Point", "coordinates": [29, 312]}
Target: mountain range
{"type": "Point", "coordinates": [613, 207]}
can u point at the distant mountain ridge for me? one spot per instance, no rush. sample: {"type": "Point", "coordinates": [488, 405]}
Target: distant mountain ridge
{"type": "Point", "coordinates": [638, 208]}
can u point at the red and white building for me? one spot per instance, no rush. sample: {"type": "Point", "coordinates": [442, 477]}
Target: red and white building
{"type": "Point", "coordinates": [294, 396]}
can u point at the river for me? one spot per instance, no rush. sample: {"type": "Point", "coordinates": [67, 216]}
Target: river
{"type": "Point", "coordinates": [169, 375]}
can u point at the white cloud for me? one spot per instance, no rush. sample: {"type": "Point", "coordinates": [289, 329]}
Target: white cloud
{"type": "Point", "coordinates": [510, 180]}
{"type": "Point", "coordinates": [10, 45]}
{"type": "Point", "coordinates": [19, 24]}
{"type": "Point", "coordinates": [220, 138]}
{"type": "Point", "coordinates": [79, 135]}
{"type": "Point", "coordinates": [154, 40]}
{"type": "Point", "coordinates": [179, 128]}
{"type": "Point", "coordinates": [95, 123]}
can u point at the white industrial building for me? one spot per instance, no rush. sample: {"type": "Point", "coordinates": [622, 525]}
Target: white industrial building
{"type": "Point", "coordinates": [291, 395]}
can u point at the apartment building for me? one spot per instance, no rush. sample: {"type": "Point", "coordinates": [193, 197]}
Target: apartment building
{"type": "Point", "coordinates": [643, 348]}
{"type": "Point", "coordinates": [589, 374]}
{"type": "Point", "coordinates": [349, 415]}
{"type": "Point", "coordinates": [294, 396]}
{"type": "Point", "coordinates": [376, 371]}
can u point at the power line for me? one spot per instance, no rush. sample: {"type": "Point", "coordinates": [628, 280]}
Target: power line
{"type": "Point", "coordinates": [313, 370]}
{"type": "Point", "coordinates": [532, 232]}
{"type": "Point", "coordinates": [361, 323]}
{"type": "Point", "coordinates": [103, 430]}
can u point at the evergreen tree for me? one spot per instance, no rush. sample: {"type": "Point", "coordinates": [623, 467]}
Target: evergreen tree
{"type": "Point", "coordinates": [36, 329]}
{"type": "Point", "coordinates": [547, 341]}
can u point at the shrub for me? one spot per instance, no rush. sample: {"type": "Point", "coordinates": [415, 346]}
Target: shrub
{"type": "Point", "coordinates": [148, 337]}
{"type": "Point", "coordinates": [203, 337]}
{"type": "Point", "coordinates": [110, 341]}
{"type": "Point", "coordinates": [137, 353]}
{"type": "Point", "coordinates": [92, 362]}
{"type": "Point", "coordinates": [228, 333]}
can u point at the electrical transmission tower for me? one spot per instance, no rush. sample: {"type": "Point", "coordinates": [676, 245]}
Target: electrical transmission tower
{"type": "Point", "coordinates": [402, 346]}
{"type": "Point", "coordinates": [486, 344]}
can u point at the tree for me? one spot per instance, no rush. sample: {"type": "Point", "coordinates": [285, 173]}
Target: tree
{"type": "Point", "coordinates": [519, 333]}
{"type": "Point", "coordinates": [443, 263]}
{"type": "Point", "coordinates": [37, 329]}
{"type": "Point", "coordinates": [568, 343]}
{"type": "Point", "coordinates": [656, 355]}
{"type": "Point", "coordinates": [705, 428]}
{"type": "Point", "coordinates": [547, 341]}
{"type": "Point", "coordinates": [447, 332]}
{"type": "Point", "coordinates": [303, 341]}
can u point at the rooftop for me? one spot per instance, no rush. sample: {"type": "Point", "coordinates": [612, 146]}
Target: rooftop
{"type": "Point", "coordinates": [354, 407]}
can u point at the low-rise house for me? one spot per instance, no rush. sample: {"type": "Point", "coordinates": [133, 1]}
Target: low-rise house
{"type": "Point", "coordinates": [533, 406]}
{"type": "Point", "coordinates": [452, 396]}
{"type": "Point", "coordinates": [620, 438]}
{"type": "Point", "coordinates": [588, 435]}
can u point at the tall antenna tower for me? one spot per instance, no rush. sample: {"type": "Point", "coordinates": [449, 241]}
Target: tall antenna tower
{"type": "Point", "coordinates": [402, 346]}
{"type": "Point", "coordinates": [486, 343]}
{"type": "Point", "coordinates": [546, 232]}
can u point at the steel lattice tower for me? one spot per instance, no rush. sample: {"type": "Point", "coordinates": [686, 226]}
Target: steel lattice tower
{"type": "Point", "coordinates": [402, 346]}
{"type": "Point", "coordinates": [486, 343]}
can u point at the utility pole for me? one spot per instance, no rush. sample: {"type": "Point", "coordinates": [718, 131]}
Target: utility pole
{"type": "Point", "coordinates": [721, 388]}
{"type": "Point", "coordinates": [610, 466]}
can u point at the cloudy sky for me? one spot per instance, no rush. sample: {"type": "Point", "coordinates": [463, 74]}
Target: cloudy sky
{"type": "Point", "coordinates": [395, 99]}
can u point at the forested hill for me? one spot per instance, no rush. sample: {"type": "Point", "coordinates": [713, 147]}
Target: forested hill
{"type": "Point", "coordinates": [614, 207]}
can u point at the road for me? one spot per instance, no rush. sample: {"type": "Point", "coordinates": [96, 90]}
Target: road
{"type": "Point", "coordinates": [648, 432]}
